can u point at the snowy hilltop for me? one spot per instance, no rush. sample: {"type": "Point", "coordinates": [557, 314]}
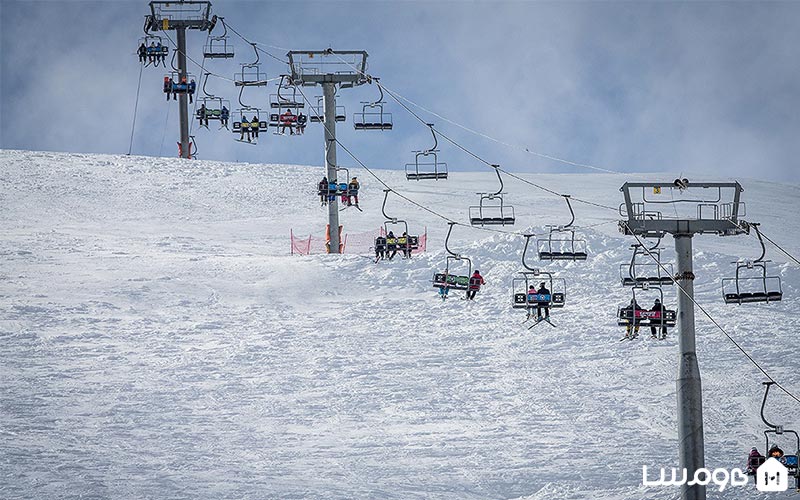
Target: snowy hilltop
{"type": "Point", "coordinates": [159, 340]}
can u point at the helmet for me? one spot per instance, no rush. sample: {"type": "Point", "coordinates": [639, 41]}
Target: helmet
{"type": "Point", "coordinates": [477, 272]}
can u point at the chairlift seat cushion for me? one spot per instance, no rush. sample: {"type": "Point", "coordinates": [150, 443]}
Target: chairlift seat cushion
{"type": "Point", "coordinates": [373, 126]}
{"type": "Point", "coordinates": [218, 55]}
{"type": "Point", "coordinates": [492, 221]}
{"type": "Point", "coordinates": [454, 282]}
{"type": "Point", "coordinates": [544, 255]}
{"type": "Point", "coordinates": [641, 317]}
{"type": "Point", "coordinates": [739, 298]}
{"type": "Point", "coordinates": [652, 280]}
{"type": "Point", "coordinates": [426, 175]}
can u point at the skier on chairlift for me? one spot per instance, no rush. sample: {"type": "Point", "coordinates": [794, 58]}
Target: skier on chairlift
{"type": "Point", "coordinates": [223, 116]}
{"type": "Point", "coordinates": [391, 245]}
{"type": "Point", "coordinates": [202, 113]}
{"type": "Point", "coordinates": [160, 55]}
{"type": "Point", "coordinates": [245, 129]}
{"type": "Point", "coordinates": [543, 306]}
{"type": "Point", "coordinates": [754, 461]}
{"type": "Point", "coordinates": [288, 119]}
{"type": "Point", "coordinates": [168, 86]}
{"type": "Point", "coordinates": [142, 53]}
{"type": "Point", "coordinates": [406, 243]}
{"type": "Point", "coordinates": [323, 189]}
{"type": "Point", "coordinates": [659, 307]}
{"type": "Point", "coordinates": [445, 288]}
{"type": "Point", "coordinates": [254, 126]}
{"type": "Point", "coordinates": [301, 123]}
{"type": "Point", "coordinates": [775, 452]}
{"type": "Point", "coordinates": [475, 282]}
{"type": "Point", "coordinates": [380, 248]}
{"type": "Point", "coordinates": [353, 188]}
{"type": "Point", "coordinates": [153, 49]}
{"type": "Point", "coordinates": [633, 307]}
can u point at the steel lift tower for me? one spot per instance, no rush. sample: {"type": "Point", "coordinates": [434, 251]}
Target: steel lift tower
{"type": "Point", "coordinates": [332, 70]}
{"type": "Point", "coordinates": [693, 208]}
{"type": "Point", "coordinates": [180, 15]}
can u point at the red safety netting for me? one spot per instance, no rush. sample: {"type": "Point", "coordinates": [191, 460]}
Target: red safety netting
{"type": "Point", "coordinates": [352, 243]}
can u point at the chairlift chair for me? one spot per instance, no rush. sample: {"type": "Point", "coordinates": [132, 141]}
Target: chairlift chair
{"type": "Point", "coordinates": [249, 125]}
{"type": "Point", "coordinates": [454, 281]}
{"type": "Point", "coordinates": [159, 51]}
{"type": "Point", "coordinates": [282, 99]}
{"type": "Point", "coordinates": [426, 163]}
{"type": "Point", "coordinates": [790, 461]}
{"type": "Point", "coordinates": [755, 285]}
{"type": "Point", "coordinates": [408, 242]}
{"type": "Point", "coordinates": [250, 74]}
{"type": "Point", "coordinates": [654, 273]}
{"type": "Point", "coordinates": [317, 114]}
{"type": "Point", "coordinates": [372, 115]}
{"type": "Point", "coordinates": [628, 315]}
{"type": "Point", "coordinates": [217, 46]}
{"type": "Point", "coordinates": [178, 87]}
{"type": "Point", "coordinates": [490, 212]}
{"type": "Point", "coordinates": [522, 299]}
{"type": "Point", "coordinates": [559, 246]}
{"type": "Point", "coordinates": [336, 188]}
{"type": "Point", "coordinates": [214, 107]}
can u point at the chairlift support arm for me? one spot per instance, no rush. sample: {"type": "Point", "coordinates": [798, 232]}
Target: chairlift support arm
{"type": "Point", "coordinates": [760, 240]}
{"type": "Point", "coordinates": [435, 142]}
{"type": "Point", "coordinates": [499, 178]}
{"type": "Point", "coordinates": [571, 212]}
{"type": "Point", "coordinates": [525, 251]}
{"type": "Point", "coordinates": [383, 208]}
{"type": "Point", "coordinates": [210, 96]}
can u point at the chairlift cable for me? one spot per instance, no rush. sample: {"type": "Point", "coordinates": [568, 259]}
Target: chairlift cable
{"type": "Point", "coordinates": [714, 321]}
{"type": "Point", "coordinates": [254, 44]}
{"type": "Point", "coordinates": [164, 134]}
{"type": "Point", "coordinates": [135, 108]}
{"type": "Point", "coordinates": [526, 149]}
{"type": "Point", "coordinates": [479, 158]}
{"type": "Point", "coordinates": [780, 248]}
{"type": "Point", "coordinates": [202, 71]}
{"type": "Point", "coordinates": [433, 130]}
{"type": "Point", "coordinates": [387, 186]}
{"type": "Point", "coordinates": [199, 65]}
{"type": "Point", "coordinates": [792, 257]}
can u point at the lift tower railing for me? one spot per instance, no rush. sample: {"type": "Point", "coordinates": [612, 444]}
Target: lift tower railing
{"type": "Point", "coordinates": [694, 208]}
{"type": "Point", "coordinates": [180, 15]}
{"type": "Point", "coordinates": [329, 69]}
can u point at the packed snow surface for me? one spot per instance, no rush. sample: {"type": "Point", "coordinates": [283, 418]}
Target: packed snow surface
{"type": "Point", "coordinates": [158, 340]}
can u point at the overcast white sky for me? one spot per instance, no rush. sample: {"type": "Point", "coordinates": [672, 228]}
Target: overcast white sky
{"type": "Point", "coordinates": [700, 87]}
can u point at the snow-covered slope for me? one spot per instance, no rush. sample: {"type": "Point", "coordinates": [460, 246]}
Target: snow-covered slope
{"type": "Point", "coordinates": [158, 341]}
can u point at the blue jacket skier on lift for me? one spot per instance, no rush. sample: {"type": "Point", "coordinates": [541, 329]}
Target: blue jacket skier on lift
{"type": "Point", "coordinates": [445, 288]}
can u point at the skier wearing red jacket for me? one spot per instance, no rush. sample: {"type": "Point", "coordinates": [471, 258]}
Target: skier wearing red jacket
{"type": "Point", "coordinates": [475, 282]}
